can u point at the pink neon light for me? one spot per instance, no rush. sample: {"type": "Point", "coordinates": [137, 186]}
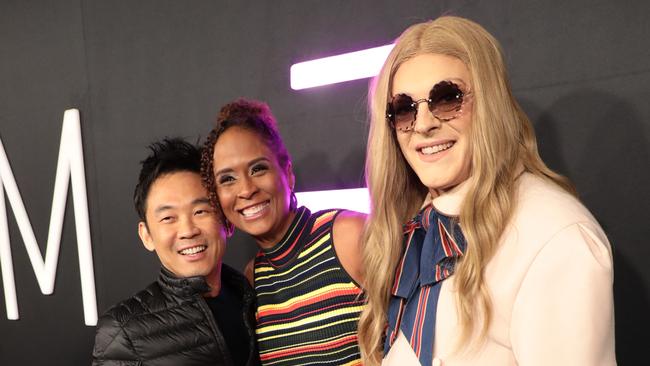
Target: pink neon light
{"type": "Point", "coordinates": [339, 68]}
{"type": "Point", "coordinates": [356, 199]}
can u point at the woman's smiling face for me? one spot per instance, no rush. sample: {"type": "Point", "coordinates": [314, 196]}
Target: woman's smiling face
{"type": "Point", "coordinates": [254, 191]}
{"type": "Point", "coordinates": [439, 152]}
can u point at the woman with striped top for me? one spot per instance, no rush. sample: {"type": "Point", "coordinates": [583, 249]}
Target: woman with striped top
{"type": "Point", "coordinates": [307, 272]}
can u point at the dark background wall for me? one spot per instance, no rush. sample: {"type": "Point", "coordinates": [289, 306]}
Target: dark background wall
{"type": "Point", "coordinates": [142, 70]}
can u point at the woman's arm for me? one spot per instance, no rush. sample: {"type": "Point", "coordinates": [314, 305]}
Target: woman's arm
{"type": "Point", "coordinates": [249, 272]}
{"type": "Point", "coordinates": [347, 238]}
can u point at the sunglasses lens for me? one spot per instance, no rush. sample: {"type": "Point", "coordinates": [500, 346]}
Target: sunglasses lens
{"type": "Point", "coordinates": [446, 100]}
{"type": "Point", "coordinates": [402, 110]}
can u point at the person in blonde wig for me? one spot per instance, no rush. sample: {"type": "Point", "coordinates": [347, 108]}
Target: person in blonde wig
{"type": "Point", "coordinates": [476, 253]}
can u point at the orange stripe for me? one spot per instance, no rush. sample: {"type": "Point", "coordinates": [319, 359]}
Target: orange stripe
{"type": "Point", "coordinates": [308, 301]}
{"type": "Point", "coordinates": [322, 220]}
{"type": "Point", "coordinates": [307, 314]}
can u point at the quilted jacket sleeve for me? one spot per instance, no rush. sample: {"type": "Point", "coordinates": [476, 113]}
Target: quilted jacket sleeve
{"type": "Point", "coordinates": [112, 344]}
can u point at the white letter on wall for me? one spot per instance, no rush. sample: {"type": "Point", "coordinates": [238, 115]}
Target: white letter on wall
{"type": "Point", "coordinates": [70, 163]}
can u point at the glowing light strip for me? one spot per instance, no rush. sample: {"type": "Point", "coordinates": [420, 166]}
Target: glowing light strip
{"type": "Point", "coordinates": [339, 68]}
{"type": "Point", "coordinates": [356, 199]}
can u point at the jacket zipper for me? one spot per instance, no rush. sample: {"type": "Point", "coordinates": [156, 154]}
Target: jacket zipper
{"type": "Point", "coordinates": [221, 342]}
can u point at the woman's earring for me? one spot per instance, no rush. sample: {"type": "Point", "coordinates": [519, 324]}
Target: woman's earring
{"type": "Point", "coordinates": [230, 228]}
{"type": "Point", "coordinates": [293, 205]}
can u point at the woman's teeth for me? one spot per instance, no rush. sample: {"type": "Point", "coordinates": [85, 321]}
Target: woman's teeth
{"type": "Point", "coordinates": [252, 211]}
{"type": "Point", "coordinates": [193, 250]}
{"type": "Point", "coordinates": [429, 150]}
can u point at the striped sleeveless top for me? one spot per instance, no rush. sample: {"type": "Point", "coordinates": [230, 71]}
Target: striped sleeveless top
{"type": "Point", "coordinates": [308, 307]}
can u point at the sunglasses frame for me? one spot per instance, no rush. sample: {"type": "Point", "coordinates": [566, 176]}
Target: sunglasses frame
{"type": "Point", "coordinates": [463, 96]}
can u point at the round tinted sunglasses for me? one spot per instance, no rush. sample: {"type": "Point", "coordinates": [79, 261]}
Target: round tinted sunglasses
{"type": "Point", "coordinates": [445, 103]}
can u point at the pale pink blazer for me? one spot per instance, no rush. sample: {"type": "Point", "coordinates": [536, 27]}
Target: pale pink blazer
{"type": "Point", "coordinates": [550, 283]}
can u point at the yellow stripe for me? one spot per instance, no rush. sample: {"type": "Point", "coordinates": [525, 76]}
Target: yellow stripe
{"type": "Point", "coordinates": [299, 265]}
{"type": "Point", "coordinates": [311, 319]}
{"type": "Point", "coordinates": [315, 293]}
{"type": "Point", "coordinates": [259, 294]}
{"type": "Point", "coordinates": [271, 268]}
{"type": "Point", "coordinates": [263, 269]}
{"type": "Point", "coordinates": [306, 330]}
{"type": "Point", "coordinates": [315, 246]}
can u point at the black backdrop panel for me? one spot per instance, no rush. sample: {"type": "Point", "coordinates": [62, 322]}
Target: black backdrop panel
{"type": "Point", "coordinates": [139, 71]}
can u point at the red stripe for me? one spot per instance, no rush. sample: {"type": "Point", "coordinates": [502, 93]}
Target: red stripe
{"type": "Point", "coordinates": [398, 273]}
{"type": "Point", "coordinates": [415, 344]}
{"type": "Point", "coordinates": [444, 239]}
{"type": "Point", "coordinates": [427, 216]}
{"type": "Point", "coordinates": [455, 246]}
{"type": "Point", "coordinates": [314, 240]}
{"type": "Point", "coordinates": [290, 248]}
{"type": "Point", "coordinates": [398, 322]}
{"type": "Point", "coordinates": [423, 315]}
{"type": "Point", "coordinates": [309, 348]}
{"type": "Point", "coordinates": [450, 241]}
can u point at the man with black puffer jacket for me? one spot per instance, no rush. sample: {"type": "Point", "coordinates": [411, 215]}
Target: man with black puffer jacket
{"type": "Point", "coordinates": [199, 311]}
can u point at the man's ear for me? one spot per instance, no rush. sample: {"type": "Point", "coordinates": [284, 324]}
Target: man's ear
{"type": "Point", "coordinates": [143, 232]}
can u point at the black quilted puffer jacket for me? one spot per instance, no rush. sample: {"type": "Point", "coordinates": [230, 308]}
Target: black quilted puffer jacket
{"type": "Point", "coordinates": [170, 324]}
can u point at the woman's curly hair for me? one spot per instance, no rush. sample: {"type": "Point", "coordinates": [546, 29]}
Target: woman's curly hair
{"type": "Point", "coordinates": [252, 115]}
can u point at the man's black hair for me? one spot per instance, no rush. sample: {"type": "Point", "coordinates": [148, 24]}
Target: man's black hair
{"type": "Point", "coordinates": [167, 156]}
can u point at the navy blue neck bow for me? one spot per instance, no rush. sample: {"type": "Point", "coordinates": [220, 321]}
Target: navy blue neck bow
{"type": "Point", "coordinates": [433, 244]}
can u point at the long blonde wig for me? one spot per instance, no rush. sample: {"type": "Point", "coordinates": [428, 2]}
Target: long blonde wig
{"type": "Point", "coordinates": [502, 142]}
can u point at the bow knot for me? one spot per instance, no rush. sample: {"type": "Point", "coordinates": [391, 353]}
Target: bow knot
{"type": "Point", "coordinates": [433, 244]}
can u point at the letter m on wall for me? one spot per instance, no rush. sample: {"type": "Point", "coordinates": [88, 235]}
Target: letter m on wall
{"type": "Point", "coordinates": [70, 164]}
